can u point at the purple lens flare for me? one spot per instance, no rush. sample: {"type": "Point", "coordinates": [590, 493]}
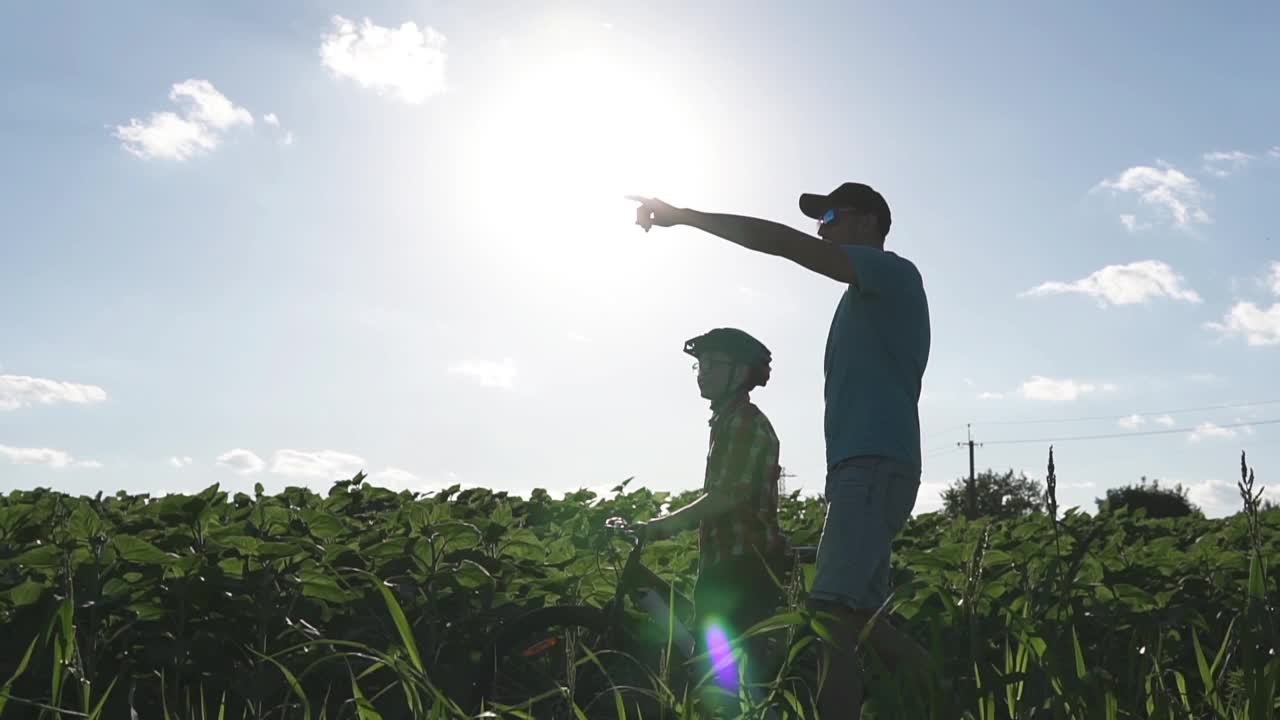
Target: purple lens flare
{"type": "Point", "coordinates": [722, 663]}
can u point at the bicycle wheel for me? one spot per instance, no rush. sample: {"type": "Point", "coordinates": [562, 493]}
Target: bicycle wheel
{"type": "Point", "coordinates": [541, 663]}
{"type": "Point", "coordinates": [532, 662]}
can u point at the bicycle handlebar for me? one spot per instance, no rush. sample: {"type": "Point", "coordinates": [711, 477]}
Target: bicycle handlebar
{"type": "Point", "coordinates": [622, 527]}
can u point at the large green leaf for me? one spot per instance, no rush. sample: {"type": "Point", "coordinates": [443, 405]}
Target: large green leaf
{"type": "Point", "coordinates": [456, 535]}
{"type": "Point", "coordinates": [278, 549]}
{"type": "Point", "coordinates": [471, 575]}
{"type": "Point", "coordinates": [325, 526]}
{"type": "Point", "coordinates": [26, 593]}
{"type": "Point", "coordinates": [135, 550]}
{"type": "Point", "coordinates": [318, 584]}
{"type": "Point", "coordinates": [243, 544]}
{"type": "Point", "coordinates": [84, 523]}
{"type": "Point", "coordinates": [41, 556]}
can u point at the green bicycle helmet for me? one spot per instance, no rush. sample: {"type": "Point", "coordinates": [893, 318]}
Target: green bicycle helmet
{"type": "Point", "coordinates": [737, 344]}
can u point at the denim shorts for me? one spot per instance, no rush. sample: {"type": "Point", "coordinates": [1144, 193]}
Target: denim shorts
{"type": "Point", "coordinates": [869, 500]}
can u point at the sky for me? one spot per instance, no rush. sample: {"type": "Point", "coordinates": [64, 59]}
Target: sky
{"type": "Point", "coordinates": [254, 242]}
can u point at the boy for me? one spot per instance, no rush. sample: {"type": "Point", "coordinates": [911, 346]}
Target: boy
{"type": "Point", "coordinates": [739, 541]}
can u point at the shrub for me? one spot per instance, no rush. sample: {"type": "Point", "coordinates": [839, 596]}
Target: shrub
{"type": "Point", "coordinates": [999, 495]}
{"type": "Point", "coordinates": [1159, 502]}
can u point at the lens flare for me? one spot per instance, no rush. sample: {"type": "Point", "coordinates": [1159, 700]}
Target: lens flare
{"type": "Point", "coordinates": [726, 672]}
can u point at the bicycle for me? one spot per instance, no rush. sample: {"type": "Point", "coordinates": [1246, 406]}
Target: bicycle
{"type": "Point", "coordinates": [551, 657]}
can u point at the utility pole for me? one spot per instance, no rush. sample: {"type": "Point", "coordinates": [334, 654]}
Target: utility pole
{"type": "Point", "coordinates": [971, 492]}
{"type": "Point", "coordinates": [782, 480]}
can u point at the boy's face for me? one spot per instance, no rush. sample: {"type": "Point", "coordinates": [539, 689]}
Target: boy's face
{"type": "Point", "coordinates": [719, 374]}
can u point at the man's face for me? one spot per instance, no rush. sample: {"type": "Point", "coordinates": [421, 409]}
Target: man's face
{"type": "Point", "coordinates": [718, 374]}
{"type": "Point", "coordinates": [851, 226]}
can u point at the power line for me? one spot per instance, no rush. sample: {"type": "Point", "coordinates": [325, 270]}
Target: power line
{"type": "Point", "coordinates": [1120, 417]}
{"type": "Point", "coordinates": [940, 451]}
{"type": "Point", "coordinates": [1170, 431]}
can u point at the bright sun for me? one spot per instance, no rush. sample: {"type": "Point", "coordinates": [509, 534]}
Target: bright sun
{"type": "Point", "coordinates": [570, 137]}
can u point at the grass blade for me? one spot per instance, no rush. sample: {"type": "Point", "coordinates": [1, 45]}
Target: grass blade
{"type": "Point", "coordinates": [293, 682]}
{"type": "Point", "coordinates": [22, 667]}
{"type": "Point", "coordinates": [401, 623]}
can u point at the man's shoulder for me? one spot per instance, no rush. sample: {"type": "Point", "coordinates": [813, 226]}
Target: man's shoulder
{"type": "Point", "coordinates": [900, 263]}
{"type": "Point", "coordinates": [888, 269]}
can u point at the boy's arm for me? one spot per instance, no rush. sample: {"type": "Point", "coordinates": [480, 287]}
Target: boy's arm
{"type": "Point", "coordinates": [708, 506]}
{"type": "Point", "coordinates": [743, 445]}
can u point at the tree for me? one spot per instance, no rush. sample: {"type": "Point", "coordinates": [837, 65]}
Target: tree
{"type": "Point", "coordinates": [1159, 502]}
{"type": "Point", "coordinates": [999, 495]}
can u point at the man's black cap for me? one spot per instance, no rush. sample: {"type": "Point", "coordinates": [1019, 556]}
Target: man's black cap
{"type": "Point", "coordinates": [851, 195]}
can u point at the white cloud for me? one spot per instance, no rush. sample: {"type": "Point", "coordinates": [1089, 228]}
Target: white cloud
{"type": "Point", "coordinates": [990, 396]}
{"type": "Point", "coordinates": [1209, 430]}
{"type": "Point", "coordinates": [1130, 222]}
{"type": "Point", "coordinates": [1050, 390]}
{"type": "Point", "coordinates": [273, 120]}
{"type": "Point", "coordinates": [57, 459]}
{"type": "Point", "coordinates": [487, 373]}
{"type": "Point", "coordinates": [1165, 420]}
{"type": "Point", "coordinates": [242, 461]}
{"type": "Point", "coordinates": [1223, 164]}
{"type": "Point", "coordinates": [206, 116]}
{"type": "Point", "coordinates": [180, 462]}
{"type": "Point", "coordinates": [1132, 422]}
{"type": "Point", "coordinates": [19, 391]}
{"type": "Point", "coordinates": [1274, 152]}
{"type": "Point", "coordinates": [1259, 327]}
{"type": "Point", "coordinates": [929, 497]}
{"type": "Point", "coordinates": [397, 480]}
{"type": "Point", "coordinates": [394, 479]}
{"type": "Point", "coordinates": [1215, 497]}
{"type": "Point", "coordinates": [1164, 187]}
{"type": "Point", "coordinates": [1131, 284]}
{"type": "Point", "coordinates": [320, 465]}
{"type": "Point", "coordinates": [579, 337]}
{"type": "Point", "coordinates": [404, 62]}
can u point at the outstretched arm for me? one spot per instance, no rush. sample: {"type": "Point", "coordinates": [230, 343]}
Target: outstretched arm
{"type": "Point", "coordinates": [708, 506]}
{"type": "Point", "coordinates": [756, 234]}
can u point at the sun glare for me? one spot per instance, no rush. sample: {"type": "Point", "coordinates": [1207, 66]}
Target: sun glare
{"type": "Point", "coordinates": [568, 139]}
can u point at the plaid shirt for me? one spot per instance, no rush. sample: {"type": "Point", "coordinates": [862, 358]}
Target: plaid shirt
{"type": "Point", "coordinates": [742, 462]}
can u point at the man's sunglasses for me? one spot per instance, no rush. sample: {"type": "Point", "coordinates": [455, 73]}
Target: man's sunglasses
{"type": "Point", "coordinates": [829, 217]}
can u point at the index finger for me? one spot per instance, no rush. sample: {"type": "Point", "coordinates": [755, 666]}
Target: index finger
{"type": "Point", "coordinates": [640, 199]}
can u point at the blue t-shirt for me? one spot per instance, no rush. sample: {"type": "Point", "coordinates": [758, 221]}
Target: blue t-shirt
{"type": "Point", "coordinates": [877, 350]}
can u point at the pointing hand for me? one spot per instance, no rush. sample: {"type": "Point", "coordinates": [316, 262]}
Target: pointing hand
{"type": "Point", "coordinates": [653, 211]}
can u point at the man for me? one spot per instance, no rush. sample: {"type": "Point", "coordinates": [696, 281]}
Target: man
{"type": "Point", "coordinates": [877, 350]}
{"type": "Point", "coordinates": [739, 542]}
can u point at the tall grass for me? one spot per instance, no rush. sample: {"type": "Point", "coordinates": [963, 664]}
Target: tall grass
{"type": "Point", "coordinates": [1058, 615]}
